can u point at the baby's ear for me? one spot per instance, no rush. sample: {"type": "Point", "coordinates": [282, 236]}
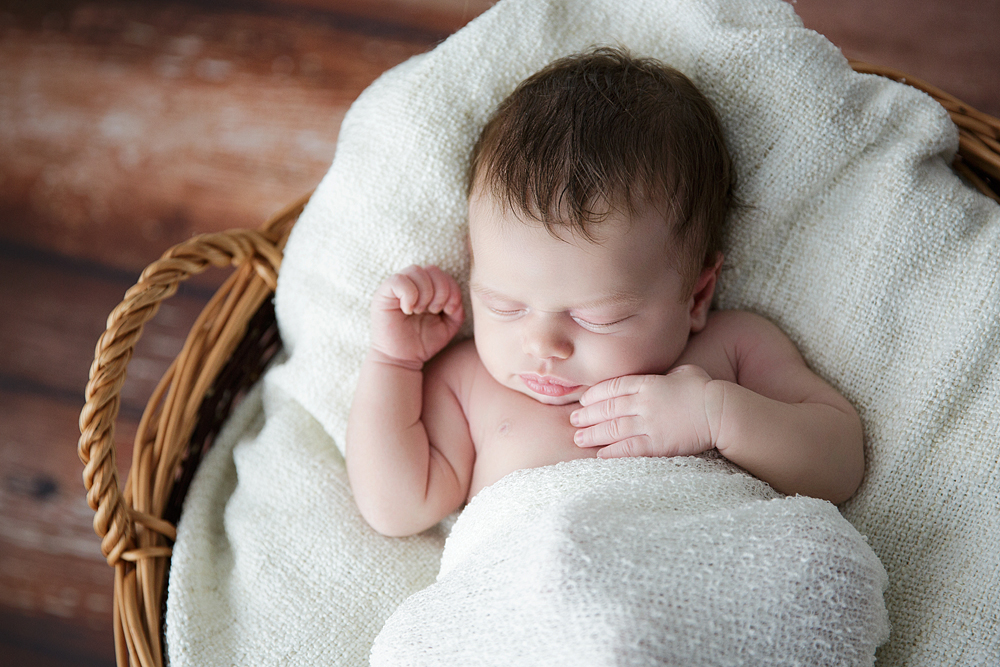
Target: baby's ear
{"type": "Point", "coordinates": [704, 290]}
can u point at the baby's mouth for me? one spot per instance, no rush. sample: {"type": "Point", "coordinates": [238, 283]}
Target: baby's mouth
{"type": "Point", "coordinates": [547, 385]}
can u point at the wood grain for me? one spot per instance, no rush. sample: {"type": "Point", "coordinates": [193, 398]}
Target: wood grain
{"type": "Point", "coordinates": [61, 309]}
{"type": "Point", "coordinates": [442, 16]}
{"type": "Point", "coordinates": [952, 45]}
{"type": "Point", "coordinates": [52, 574]}
{"type": "Point", "coordinates": [55, 587]}
{"type": "Point", "coordinates": [44, 640]}
{"type": "Point", "coordinates": [144, 122]}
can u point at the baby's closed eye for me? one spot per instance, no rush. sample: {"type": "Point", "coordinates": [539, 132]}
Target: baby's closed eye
{"type": "Point", "coordinates": [505, 312]}
{"type": "Point", "coordinates": [599, 324]}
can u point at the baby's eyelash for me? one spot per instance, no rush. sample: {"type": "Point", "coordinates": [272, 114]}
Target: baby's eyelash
{"type": "Point", "coordinates": [595, 326]}
{"type": "Point", "coordinates": [503, 313]}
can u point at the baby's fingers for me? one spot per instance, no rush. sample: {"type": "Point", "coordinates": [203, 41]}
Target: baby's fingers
{"type": "Point", "coordinates": [609, 432]}
{"type": "Point", "coordinates": [638, 445]}
{"type": "Point", "coordinates": [454, 305]}
{"type": "Point", "coordinates": [424, 282]}
{"type": "Point", "coordinates": [619, 386]}
{"type": "Point", "coordinates": [595, 413]}
{"type": "Point", "coordinates": [444, 287]}
{"type": "Point", "coordinates": [399, 291]}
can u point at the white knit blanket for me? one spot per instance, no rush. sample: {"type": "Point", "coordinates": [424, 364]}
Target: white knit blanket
{"type": "Point", "coordinates": [682, 561]}
{"type": "Point", "coordinates": [858, 240]}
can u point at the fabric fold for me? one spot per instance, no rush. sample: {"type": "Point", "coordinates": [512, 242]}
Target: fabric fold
{"type": "Point", "coordinates": [642, 562]}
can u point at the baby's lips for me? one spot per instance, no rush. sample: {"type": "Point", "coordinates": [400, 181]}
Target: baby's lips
{"type": "Point", "coordinates": [547, 386]}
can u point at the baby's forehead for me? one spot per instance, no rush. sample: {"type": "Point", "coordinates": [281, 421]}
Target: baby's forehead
{"type": "Point", "coordinates": [491, 220]}
{"type": "Point", "coordinates": [509, 254]}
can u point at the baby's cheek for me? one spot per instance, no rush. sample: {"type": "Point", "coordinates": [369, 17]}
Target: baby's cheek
{"type": "Point", "coordinates": [495, 350]}
{"type": "Point", "coordinates": [640, 356]}
{"type": "Point", "coordinates": [618, 357]}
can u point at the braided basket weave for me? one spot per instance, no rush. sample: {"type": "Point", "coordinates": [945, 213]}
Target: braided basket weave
{"type": "Point", "coordinates": [227, 349]}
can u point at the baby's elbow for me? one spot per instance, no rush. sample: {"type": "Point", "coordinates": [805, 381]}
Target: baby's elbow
{"type": "Point", "coordinates": [390, 524]}
{"type": "Point", "coordinates": [387, 521]}
{"type": "Point", "coordinates": [395, 519]}
{"type": "Point", "coordinates": [392, 529]}
{"type": "Point", "coordinates": [846, 490]}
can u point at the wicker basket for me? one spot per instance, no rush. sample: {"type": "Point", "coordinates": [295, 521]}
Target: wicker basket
{"type": "Point", "coordinates": [229, 345]}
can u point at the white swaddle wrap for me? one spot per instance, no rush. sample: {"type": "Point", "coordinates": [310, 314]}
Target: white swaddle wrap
{"type": "Point", "coordinates": [677, 561]}
{"type": "Point", "coordinates": [858, 241]}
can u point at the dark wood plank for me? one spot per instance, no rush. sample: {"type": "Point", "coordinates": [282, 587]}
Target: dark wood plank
{"type": "Point", "coordinates": [55, 586]}
{"type": "Point", "coordinates": [52, 572]}
{"type": "Point", "coordinates": [443, 16]}
{"type": "Point", "coordinates": [952, 45]}
{"type": "Point", "coordinates": [129, 126]}
{"type": "Point", "coordinates": [43, 640]}
{"type": "Point", "coordinates": [55, 311]}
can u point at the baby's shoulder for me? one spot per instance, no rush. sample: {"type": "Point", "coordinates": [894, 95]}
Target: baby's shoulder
{"type": "Point", "coordinates": [741, 327]}
{"type": "Point", "coordinates": [732, 338]}
{"type": "Point", "coordinates": [455, 367]}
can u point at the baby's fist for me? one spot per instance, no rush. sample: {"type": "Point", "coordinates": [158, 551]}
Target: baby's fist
{"type": "Point", "coordinates": [415, 313]}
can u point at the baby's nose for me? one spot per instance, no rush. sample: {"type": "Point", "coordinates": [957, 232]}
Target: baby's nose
{"type": "Point", "coordinates": [543, 338]}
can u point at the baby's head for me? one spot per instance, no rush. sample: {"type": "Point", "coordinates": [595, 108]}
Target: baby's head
{"type": "Point", "coordinates": [597, 196]}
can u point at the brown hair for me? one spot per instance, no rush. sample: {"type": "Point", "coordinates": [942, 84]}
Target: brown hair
{"type": "Point", "coordinates": [602, 130]}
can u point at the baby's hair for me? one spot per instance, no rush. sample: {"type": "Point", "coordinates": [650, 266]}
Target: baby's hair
{"type": "Point", "coordinates": [602, 131]}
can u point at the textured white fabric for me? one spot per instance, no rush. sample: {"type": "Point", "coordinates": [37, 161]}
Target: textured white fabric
{"type": "Point", "coordinates": [857, 240]}
{"type": "Point", "coordinates": [680, 561]}
{"type": "Point", "coordinates": [273, 563]}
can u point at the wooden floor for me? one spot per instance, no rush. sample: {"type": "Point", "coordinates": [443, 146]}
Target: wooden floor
{"type": "Point", "coordinates": [125, 127]}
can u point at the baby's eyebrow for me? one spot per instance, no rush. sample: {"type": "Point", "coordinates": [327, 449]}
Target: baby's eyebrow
{"type": "Point", "coordinates": [483, 290]}
{"type": "Point", "coordinates": [615, 298]}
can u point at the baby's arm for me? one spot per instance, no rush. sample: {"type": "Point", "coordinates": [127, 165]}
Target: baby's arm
{"type": "Point", "coordinates": [772, 416]}
{"type": "Point", "coordinates": [409, 454]}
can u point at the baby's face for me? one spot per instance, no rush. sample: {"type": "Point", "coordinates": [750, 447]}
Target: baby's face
{"type": "Point", "coordinates": [554, 317]}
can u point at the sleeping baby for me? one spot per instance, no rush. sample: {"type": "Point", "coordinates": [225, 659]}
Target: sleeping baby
{"type": "Point", "coordinates": [598, 191]}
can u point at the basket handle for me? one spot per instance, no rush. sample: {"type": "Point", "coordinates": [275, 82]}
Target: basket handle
{"type": "Point", "coordinates": [114, 520]}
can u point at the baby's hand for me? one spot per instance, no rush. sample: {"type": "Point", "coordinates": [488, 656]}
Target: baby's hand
{"type": "Point", "coordinates": [649, 415]}
{"type": "Point", "coordinates": [415, 313]}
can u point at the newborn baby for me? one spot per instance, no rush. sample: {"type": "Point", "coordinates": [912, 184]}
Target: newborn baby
{"type": "Point", "coordinates": [597, 195]}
